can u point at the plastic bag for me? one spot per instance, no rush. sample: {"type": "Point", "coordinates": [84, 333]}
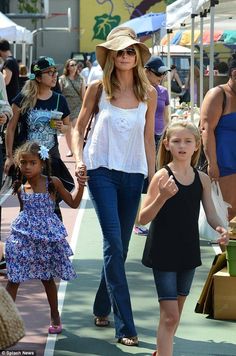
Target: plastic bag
{"type": "Point", "coordinates": [206, 232]}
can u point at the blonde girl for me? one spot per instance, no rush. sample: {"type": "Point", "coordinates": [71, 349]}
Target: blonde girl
{"type": "Point", "coordinates": [172, 205]}
{"type": "Point", "coordinates": [36, 247]}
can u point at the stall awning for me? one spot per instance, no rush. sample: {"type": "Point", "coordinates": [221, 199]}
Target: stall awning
{"type": "Point", "coordinates": [183, 37]}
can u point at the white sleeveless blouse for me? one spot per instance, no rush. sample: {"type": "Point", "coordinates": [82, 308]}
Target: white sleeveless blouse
{"type": "Point", "coordinates": [116, 139]}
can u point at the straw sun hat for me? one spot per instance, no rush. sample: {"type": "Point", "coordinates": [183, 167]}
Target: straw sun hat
{"type": "Point", "coordinates": [118, 39]}
{"type": "Point", "coordinates": [11, 324]}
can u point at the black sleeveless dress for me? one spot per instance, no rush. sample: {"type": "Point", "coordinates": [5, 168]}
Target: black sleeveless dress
{"type": "Point", "coordinates": [174, 232]}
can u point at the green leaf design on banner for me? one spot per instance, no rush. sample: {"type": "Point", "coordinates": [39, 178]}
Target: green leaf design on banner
{"type": "Point", "coordinates": [104, 24]}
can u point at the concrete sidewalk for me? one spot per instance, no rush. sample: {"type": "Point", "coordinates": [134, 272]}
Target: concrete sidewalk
{"type": "Point", "coordinates": [197, 333]}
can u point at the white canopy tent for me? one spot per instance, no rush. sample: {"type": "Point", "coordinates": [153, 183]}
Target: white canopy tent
{"type": "Point", "coordinates": [177, 14]}
{"type": "Point", "coordinates": [186, 13]}
{"type": "Point", "coordinates": [15, 34]}
{"type": "Point", "coordinates": [176, 50]}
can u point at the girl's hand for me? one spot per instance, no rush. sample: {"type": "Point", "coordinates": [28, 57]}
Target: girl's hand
{"type": "Point", "coordinates": [59, 125]}
{"type": "Point", "coordinates": [224, 238]}
{"type": "Point", "coordinates": [167, 189]}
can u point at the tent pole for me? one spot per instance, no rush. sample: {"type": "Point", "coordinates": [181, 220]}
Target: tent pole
{"type": "Point", "coordinates": [23, 53]}
{"type": "Point", "coordinates": [169, 31]}
{"type": "Point", "coordinates": [14, 49]}
{"type": "Point", "coordinates": [192, 66]}
{"type": "Point", "coordinates": [211, 72]}
{"type": "Point", "coordinates": [202, 15]}
{"type": "Point", "coordinates": [31, 55]}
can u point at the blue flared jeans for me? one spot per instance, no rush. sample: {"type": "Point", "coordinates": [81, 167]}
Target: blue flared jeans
{"type": "Point", "coordinates": [116, 197]}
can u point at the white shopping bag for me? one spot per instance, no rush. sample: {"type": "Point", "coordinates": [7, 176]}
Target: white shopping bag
{"type": "Point", "coordinates": [206, 232]}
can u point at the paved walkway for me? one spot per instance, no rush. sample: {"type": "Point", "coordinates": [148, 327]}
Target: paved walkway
{"type": "Point", "coordinates": [197, 334]}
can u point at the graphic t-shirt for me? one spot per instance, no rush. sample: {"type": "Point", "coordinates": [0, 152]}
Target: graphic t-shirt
{"type": "Point", "coordinates": [35, 123]}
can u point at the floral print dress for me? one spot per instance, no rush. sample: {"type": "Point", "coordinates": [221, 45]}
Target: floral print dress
{"type": "Point", "coordinates": [36, 247]}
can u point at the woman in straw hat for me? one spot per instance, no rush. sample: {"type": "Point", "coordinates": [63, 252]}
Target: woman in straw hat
{"type": "Point", "coordinates": [119, 153]}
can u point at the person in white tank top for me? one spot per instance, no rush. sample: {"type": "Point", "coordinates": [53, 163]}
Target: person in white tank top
{"type": "Point", "coordinates": [119, 154]}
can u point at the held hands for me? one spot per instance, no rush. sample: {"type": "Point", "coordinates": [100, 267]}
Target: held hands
{"type": "Point", "coordinates": [81, 174]}
{"type": "Point", "coordinates": [167, 188]}
{"type": "Point", "coordinates": [224, 238]}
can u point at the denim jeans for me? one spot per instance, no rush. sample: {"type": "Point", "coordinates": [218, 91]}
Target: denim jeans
{"type": "Point", "coordinates": [116, 197]}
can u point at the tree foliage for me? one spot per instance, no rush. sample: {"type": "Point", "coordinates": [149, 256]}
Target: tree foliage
{"type": "Point", "coordinates": [168, 2]}
{"type": "Point", "coordinates": [30, 6]}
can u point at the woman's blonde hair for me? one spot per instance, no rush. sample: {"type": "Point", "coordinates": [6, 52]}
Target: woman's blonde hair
{"type": "Point", "coordinates": [111, 83]}
{"type": "Point", "coordinates": [164, 157]}
{"type": "Point", "coordinates": [30, 94]}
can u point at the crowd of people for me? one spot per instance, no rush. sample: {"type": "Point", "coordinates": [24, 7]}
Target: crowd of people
{"type": "Point", "coordinates": [122, 100]}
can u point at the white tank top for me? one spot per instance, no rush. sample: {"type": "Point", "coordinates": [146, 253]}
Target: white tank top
{"type": "Point", "coordinates": [116, 139]}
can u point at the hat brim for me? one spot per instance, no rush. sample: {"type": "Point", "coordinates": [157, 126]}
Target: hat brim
{"type": "Point", "coordinates": [163, 69]}
{"type": "Point", "coordinates": [118, 43]}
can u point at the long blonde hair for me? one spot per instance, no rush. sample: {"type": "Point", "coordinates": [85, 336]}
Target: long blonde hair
{"type": "Point", "coordinates": [30, 95]}
{"type": "Point", "coordinates": [111, 84]}
{"type": "Point", "coordinates": [164, 157]}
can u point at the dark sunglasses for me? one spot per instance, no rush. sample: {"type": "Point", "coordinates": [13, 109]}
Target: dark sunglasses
{"type": "Point", "coordinates": [72, 65]}
{"type": "Point", "coordinates": [157, 74]}
{"type": "Point", "coordinates": [129, 51]}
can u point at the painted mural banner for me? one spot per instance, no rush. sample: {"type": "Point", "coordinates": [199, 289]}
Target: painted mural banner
{"type": "Point", "coordinates": [99, 17]}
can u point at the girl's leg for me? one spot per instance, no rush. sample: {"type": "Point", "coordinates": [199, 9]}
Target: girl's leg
{"type": "Point", "coordinates": [51, 291]}
{"type": "Point", "coordinates": [169, 320]}
{"type": "Point", "coordinates": [172, 289]}
{"type": "Point", "coordinates": [12, 289]}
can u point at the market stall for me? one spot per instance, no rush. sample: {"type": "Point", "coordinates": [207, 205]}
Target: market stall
{"type": "Point", "coordinates": [15, 34]}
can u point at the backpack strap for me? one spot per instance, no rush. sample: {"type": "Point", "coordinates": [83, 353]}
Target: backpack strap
{"type": "Point", "coordinates": [224, 98]}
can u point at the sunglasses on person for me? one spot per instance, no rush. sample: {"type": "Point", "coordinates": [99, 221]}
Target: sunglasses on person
{"type": "Point", "coordinates": [157, 74]}
{"type": "Point", "coordinates": [72, 65]}
{"type": "Point", "coordinates": [51, 73]}
{"type": "Point", "coordinates": [129, 51]}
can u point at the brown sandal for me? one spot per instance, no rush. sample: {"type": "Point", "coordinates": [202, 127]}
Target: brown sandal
{"type": "Point", "coordinates": [101, 321]}
{"type": "Point", "coordinates": [128, 341]}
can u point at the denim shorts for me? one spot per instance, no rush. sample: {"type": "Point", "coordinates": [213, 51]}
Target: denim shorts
{"type": "Point", "coordinates": [170, 285]}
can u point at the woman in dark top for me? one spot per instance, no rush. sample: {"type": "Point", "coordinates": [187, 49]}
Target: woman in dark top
{"type": "Point", "coordinates": [172, 204]}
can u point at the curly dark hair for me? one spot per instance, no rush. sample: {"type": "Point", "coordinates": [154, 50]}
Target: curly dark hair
{"type": "Point", "coordinates": [33, 148]}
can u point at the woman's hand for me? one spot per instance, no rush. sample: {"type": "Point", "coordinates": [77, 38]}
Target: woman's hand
{"type": "Point", "coordinates": [8, 163]}
{"type": "Point", "coordinates": [213, 171]}
{"type": "Point", "coordinates": [224, 236]}
{"type": "Point", "coordinates": [81, 173]}
{"type": "Point", "coordinates": [167, 188]}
